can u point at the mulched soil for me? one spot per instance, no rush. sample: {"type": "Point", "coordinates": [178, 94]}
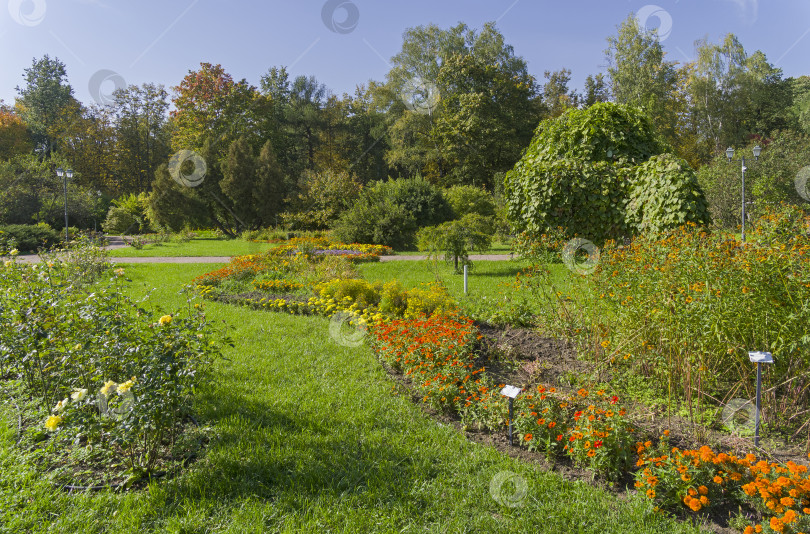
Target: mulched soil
{"type": "Point", "coordinates": [521, 357]}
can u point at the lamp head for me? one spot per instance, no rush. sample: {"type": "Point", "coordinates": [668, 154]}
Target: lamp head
{"type": "Point", "coordinates": [69, 173]}
{"type": "Point", "coordinates": [60, 172]}
{"type": "Point", "coordinates": [729, 153]}
{"type": "Point", "coordinates": [757, 151]}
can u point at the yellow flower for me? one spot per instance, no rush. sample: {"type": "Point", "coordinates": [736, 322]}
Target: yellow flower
{"type": "Point", "coordinates": [126, 386]}
{"type": "Point", "coordinates": [53, 422]}
{"type": "Point", "coordinates": [108, 388]}
{"type": "Point", "coordinates": [8, 263]}
{"type": "Point", "coordinates": [61, 405]}
{"type": "Point", "coordinates": [78, 346]}
{"type": "Point", "coordinates": [119, 271]}
{"type": "Point", "coordinates": [166, 319]}
{"type": "Point", "coordinates": [13, 252]}
{"type": "Point", "coordinates": [78, 394]}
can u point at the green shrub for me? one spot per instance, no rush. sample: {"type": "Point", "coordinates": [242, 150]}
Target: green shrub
{"type": "Point", "coordinates": [389, 213]}
{"type": "Point", "coordinates": [584, 167]}
{"type": "Point", "coordinates": [464, 199]}
{"type": "Point", "coordinates": [28, 237]}
{"type": "Point", "coordinates": [127, 215]}
{"type": "Point", "coordinates": [665, 194]}
{"type": "Point", "coordinates": [457, 238]}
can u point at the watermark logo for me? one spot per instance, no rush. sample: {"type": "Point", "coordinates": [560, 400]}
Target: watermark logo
{"type": "Point", "coordinates": [803, 183]}
{"type": "Point", "coordinates": [581, 256]}
{"type": "Point", "coordinates": [101, 81]}
{"type": "Point", "coordinates": [508, 489]}
{"type": "Point", "coordinates": [187, 168]}
{"type": "Point", "coordinates": [739, 416]}
{"type": "Point", "coordinates": [126, 402]}
{"type": "Point", "coordinates": [346, 330]}
{"type": "Point", "coordinates": [27, 12]}
{"type": "Point", "coordinates": [345, 21]}
{"type": "Point", "coordinates": [652, 12]}
{"type": "Point", "coordinates": [420, 96]}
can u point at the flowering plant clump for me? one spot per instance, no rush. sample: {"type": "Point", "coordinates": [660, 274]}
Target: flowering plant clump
{"type": "Point", "coordinates": [699, 479]}
{"type": "Point", "coordinates": [591, 428]}
{"type": "Point", "coordinates": [66, 345]}
{"type": "Point", "coordinates": [272, 286]}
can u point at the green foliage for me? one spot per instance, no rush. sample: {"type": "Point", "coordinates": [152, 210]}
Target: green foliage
{"type": "Point", "coordinates": [457, 239]}
{"type": "Point", "coordinates": [769, 181]}
{"type": "Point", "coordinates": [324, 197]}
{"type": "Point", "coordinates": [60, 351]}
{"type": "Point", "coordinates": [583, 169]}
{"type": "Point", "coordinates": [464, 199]}
{"type": "Point", "coordinates": [127, 215]}
{"type": "Point", "coordinates": [27, 237]}
{"type": "Point", "coordinates": [389, 213]}
{"type": "Point", "coordinates": [665, 194]}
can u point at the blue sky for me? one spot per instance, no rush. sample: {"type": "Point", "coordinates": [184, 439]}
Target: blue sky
{"type": "Point", "coordinates": [150, 41]}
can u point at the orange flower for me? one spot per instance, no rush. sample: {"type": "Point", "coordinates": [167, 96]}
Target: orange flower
{"type": "Point", "coordinates": [552, 424]}
{"type": "Point", "coordinates": [651, 494]}
{"type": "Point", "coordinates": [717, 480]}
{"type": "Point", "coordinates": [777, 524]}
{"type": "Point", "coordinates": [686, 477]}
{"type": "Point", "coordinates": [591, 453]}
{"type": "Point", "coordinates": [703, 490]}
{"type": "Point", "coordinates": [528, 437]}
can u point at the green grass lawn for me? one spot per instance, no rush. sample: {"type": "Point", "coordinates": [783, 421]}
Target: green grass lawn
{"type": "Point", "coordinates": [496, 248]}
{"type": "Point", "coordinates": [309, 436]}
{"type": "Point", "coordinates": [206, 246]}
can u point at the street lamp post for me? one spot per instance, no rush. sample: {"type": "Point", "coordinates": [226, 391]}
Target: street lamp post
{"type": "Point", "coordinates": [730, 155]}
{"type": "Point", "coordinates": [61, 173]}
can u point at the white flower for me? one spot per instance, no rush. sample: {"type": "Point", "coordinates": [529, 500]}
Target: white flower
{"type": "Point", "coordinates": [78, 394]}
{"type": "Point", "coordinates": [13, 252]}
{"type": "Point", "coordinates": [61, 405]}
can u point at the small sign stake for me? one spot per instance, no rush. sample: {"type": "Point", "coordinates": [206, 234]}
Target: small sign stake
{"type": "Point", "coordinates": [759, 358]}
{"type": "Point", "coordinates": [510, 392]}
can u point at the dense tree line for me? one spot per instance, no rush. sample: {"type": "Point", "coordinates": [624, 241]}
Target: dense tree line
{"type": "Point", "coordinates": [458, 107]}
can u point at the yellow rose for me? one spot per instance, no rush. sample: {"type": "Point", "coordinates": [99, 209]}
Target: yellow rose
{"type": "Point", "coordinates": [78, 395]}
{"type": "Point", "coordinates": [166, 319]}
{"type": "Point", "coordinates": [53, 422]}
{"type": "Point", "coordinates": [61, 405]}
{"type": "Point", "coordinates": [108, 388]}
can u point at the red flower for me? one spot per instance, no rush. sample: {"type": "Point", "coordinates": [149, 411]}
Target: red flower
{"type": "Point", "coordinates": [559, 437]}
{"type": "Point", "coordinates": [597, 444]}
{"type": "Point", "coordinates": [614, 399]}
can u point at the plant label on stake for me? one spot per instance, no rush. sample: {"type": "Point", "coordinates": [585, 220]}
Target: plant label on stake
{"type": "Point", "coordinates": [510, 392]}
{"type": "Point", "coordinates": [759, 358]}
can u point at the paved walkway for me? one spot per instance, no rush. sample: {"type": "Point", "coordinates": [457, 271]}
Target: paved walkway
{"type": "Point", "coordinates": [117, 242]}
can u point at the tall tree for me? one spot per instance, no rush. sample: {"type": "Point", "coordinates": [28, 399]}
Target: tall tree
{"type": "Point", "coordinates": [416, 88]}
{"type": "Point", "coordinates": [596, 90]}
{"type": "Point", "coordinates": [641, 76]}
{"type": "Point", "coordinates": [46, 102]}
{"type": "Point", "coordinates": [14, 136]}
{"type": "Point", "coordinates": [142, 135]}
{"type": "Point", "coordinates": [557, 96]}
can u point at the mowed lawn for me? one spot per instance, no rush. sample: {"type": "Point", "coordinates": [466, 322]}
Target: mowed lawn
{"type": "Point", "coordinates": [200, 247]}
{"type": "Point", "coordinates": [309, 436]}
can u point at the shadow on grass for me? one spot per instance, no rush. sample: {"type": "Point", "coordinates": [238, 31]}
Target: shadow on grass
{"type": "Point", "coordinates": [261, 451]}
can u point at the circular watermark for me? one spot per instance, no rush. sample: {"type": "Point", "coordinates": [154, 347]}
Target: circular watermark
{"type": "Point", "coordinates": [651, 11]}
{"type": "Point", "coordinates": [100, 86]}
{"type": "Point", "coordinates": [187, 168]}
{"type": "Point", "coordinates": [121, 408]}
{"type": "Point", "coordinates": [508, 489]}
{"type": "Point", "coordinates": [345, 330]}
{"type": "Point", "coordinates": [345, 24]}
{"type": "Point", "coordinates": [739, 415]}
{"type": "Point", "coordinates": [27, 12]}
{"type": "Point", "coordinates": [420, 96]}
{"type": "Point", "coordinates": [802, 183]}
{"type": "Point", "coordinates": [581, 256]}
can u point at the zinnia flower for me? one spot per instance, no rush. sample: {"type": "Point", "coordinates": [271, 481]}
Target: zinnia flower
{"type": "Point", "coordinates": [53, 422]}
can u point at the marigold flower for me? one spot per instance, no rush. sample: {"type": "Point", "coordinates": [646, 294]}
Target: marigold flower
{"type": "Point", "coordinates": [703, 490]}
{"type": "Point", "coordinates": [166, 319]}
